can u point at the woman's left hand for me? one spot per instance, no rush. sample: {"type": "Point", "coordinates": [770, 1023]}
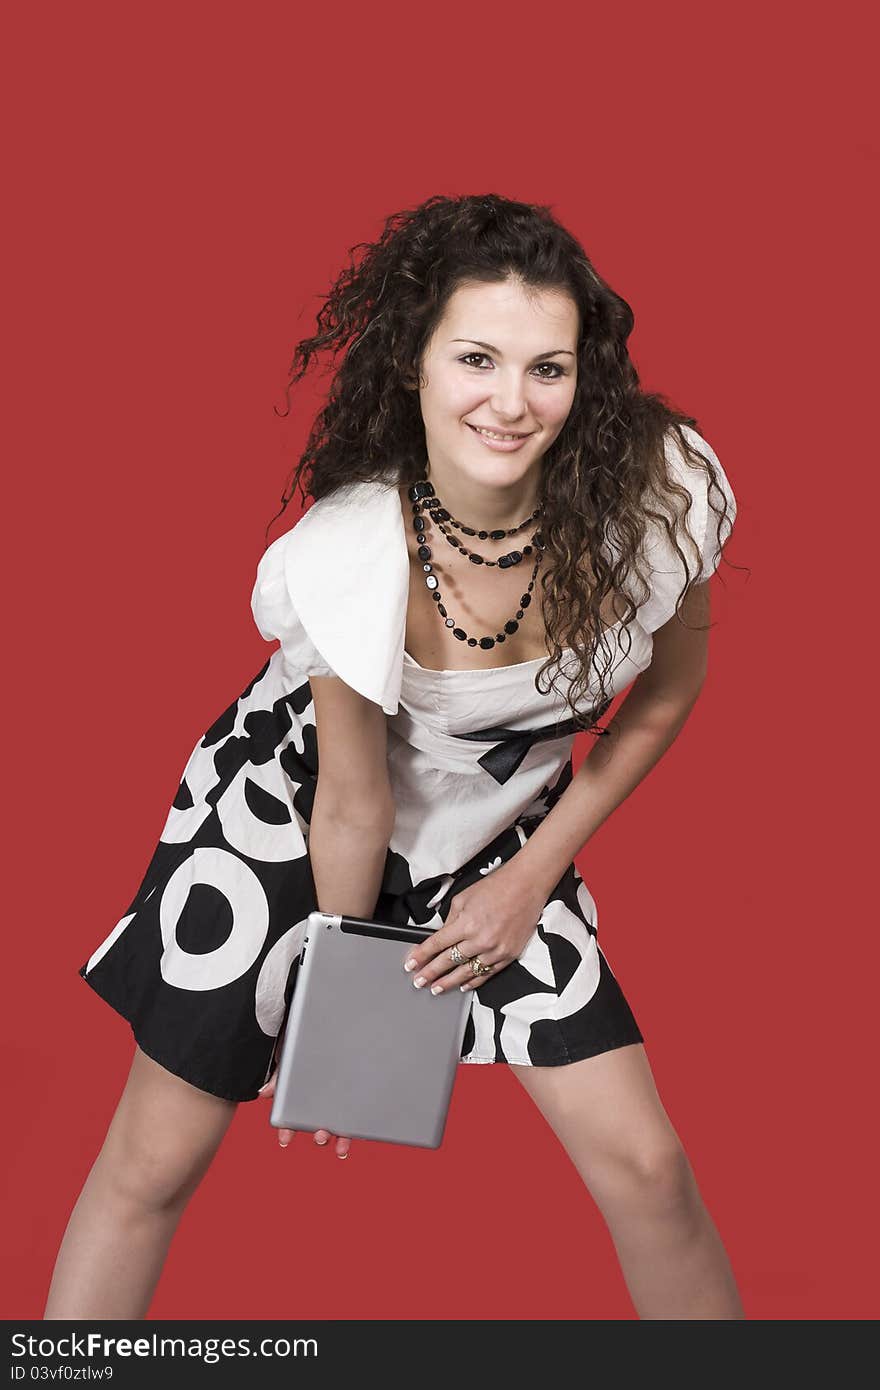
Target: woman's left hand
{"type": "Point", "coordinates": [492, 919]}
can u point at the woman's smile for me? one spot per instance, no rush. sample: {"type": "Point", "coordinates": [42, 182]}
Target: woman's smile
{"type": "Point", "coordinates": [505, 443]}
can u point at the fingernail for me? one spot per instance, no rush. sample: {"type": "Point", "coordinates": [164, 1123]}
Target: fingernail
{"type": "Point", "coordinates": [436, 989]}
{"type": "Point", "coordinates": [419, 981]}
{"type": "Point", "coordinates": [283, 1143]}
{"type": "Point", "coordinates": [342, 1155]}
{"type": "Point", "coordinates": [410, 965]}
{"type": "Point", "coordinates": [320, 1141]}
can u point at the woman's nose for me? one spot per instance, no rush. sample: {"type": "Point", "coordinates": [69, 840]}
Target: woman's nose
{"type": "Point", "coordinates": [509, 403]}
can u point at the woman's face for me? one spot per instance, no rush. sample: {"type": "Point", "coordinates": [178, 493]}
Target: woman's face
{"type": "Point", "coordinates": [501, 360]}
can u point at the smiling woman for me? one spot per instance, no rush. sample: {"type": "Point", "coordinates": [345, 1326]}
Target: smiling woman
{"type": "Point", "coordinates": [511, 399]}
{"type": "Point", "coordinates": [479, 520]}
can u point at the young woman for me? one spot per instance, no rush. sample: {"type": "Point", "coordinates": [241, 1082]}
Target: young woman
{"type": "Point", "coordinates": [506, 532]}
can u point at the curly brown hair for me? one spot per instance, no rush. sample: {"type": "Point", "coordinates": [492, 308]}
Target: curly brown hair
{"type": "Point", "coordinates": [605, 474]}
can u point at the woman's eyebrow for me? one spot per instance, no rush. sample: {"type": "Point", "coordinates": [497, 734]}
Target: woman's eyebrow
{"type": "Point", "coordinates": [498, 353]}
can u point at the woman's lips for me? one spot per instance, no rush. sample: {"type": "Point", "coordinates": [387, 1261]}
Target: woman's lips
{"type": "Point", "coordinates": [504, 446]}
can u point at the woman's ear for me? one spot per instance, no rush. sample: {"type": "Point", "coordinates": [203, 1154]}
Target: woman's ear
{"type": "Point", "coordinates": [411, 376]}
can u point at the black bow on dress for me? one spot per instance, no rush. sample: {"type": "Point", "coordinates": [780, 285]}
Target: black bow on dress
{"type": "Point", "coordinates": [503, 760]}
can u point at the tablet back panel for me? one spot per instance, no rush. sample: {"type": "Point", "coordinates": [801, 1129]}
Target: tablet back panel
{"type": "Point", "coordinates": [365, 1054]}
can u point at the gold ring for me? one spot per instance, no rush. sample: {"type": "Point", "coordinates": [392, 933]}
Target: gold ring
{"type": "Point", "coordinates": [457, 956]}
{"type": "Point", "coordinates": [478, 967]}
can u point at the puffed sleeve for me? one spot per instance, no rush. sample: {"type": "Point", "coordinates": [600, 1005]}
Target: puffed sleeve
{"type": "Point", "coordinates": [334, 590]}
{"type": "Point", "coordinates": [276, 617]}
{"type": "Point", "coordinates": [665, 570]}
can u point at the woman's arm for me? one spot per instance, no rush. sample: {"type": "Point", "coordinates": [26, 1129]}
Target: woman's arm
{"type": "Point", "coordinates": [351, 822]}
{"type": "Point", "coordinates": [353, 812]}
{"type": "Point", "coordinates": [347, 850]}
{"type": "Point", "coordinates": [648, 721]}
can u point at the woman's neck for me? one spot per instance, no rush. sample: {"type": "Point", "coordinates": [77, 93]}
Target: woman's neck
{"type": "Point", "coordinates": [486, 508]}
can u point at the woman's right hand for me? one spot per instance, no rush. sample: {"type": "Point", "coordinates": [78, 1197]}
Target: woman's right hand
{"type": "Point", "coordinates": [321, 1136]}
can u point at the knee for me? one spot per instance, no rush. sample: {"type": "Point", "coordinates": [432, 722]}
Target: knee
{"type": "Point", "coordinates": [654, 1180]}
{"type": "Point", "coordinates": [161, 1140]}
{"type": "Point", "coordinates": [150, 1178]}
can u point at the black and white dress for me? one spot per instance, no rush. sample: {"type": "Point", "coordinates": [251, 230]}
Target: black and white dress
{"type": "Point", "coordinates": [204, 960]}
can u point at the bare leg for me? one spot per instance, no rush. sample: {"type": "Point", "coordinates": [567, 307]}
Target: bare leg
{"type": "Point", "coordinates": [608, 1116]}
{"type": "Point", "coordinates": [158, 1147]}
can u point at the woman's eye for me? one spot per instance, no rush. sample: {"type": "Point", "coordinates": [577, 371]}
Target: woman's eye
{"type": "Point", "coordinates": [557, 371]}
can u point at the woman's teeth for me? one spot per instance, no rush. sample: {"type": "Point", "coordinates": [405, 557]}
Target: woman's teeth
{"type": "Point", "coordinates": [490, 434]}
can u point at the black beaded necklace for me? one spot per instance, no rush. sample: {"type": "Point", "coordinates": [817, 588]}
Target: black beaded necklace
{"type": "Point", "coordinates": [422, 495]}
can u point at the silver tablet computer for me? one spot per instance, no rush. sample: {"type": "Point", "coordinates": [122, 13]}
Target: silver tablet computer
{"type": "Point", "coordinates": [364, 1054]}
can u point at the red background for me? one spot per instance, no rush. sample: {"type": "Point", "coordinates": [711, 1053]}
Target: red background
{"type": "Point", "coordinates": [185, 181]}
